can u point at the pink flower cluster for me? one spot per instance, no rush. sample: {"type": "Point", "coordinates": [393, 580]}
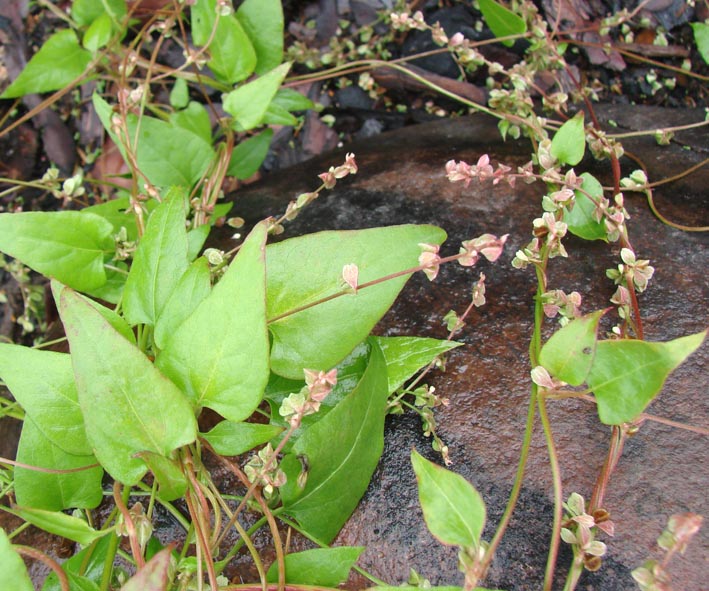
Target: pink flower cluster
{"type": "Point", "coordinates": [331, 177]}
{"type": "Point", "coordinates": [483, 170]}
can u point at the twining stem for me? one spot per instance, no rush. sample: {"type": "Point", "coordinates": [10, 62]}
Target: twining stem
{"type": "Point", "coordinates": [50, 562]}
{"type": "Point", "coordinates": [245, 536]}
{"type": "Point", "coordinates": [615, 450]}
{"type": "Point", "coordinates": [200, 519]}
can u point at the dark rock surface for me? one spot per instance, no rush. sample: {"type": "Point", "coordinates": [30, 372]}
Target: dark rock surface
{"type": "Point", "coordinates": [663, 469]}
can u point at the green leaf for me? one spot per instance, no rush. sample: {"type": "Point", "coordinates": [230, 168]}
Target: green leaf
{"type": "Point", "coordinates": [58, 64]}
{"type": "Point", "coordinates": [112, 290]}
{"type": "Point", "coordinates": [404, 356]}
{"type": "Point", "coordinates": [569, 142]}
{"type": "Point", "coordinates": [263, 22]}
{"type": "Point", "coordinates": [453, 510]}
{"type": "Point", "coordinates": [159, 261]}
{"type": "Point", "coordinates": [219, 355]}
{"type": "Point", "coordinates": [43, 383]}
{"type": "Point", "coordinates": [292, 100]}
{"type": "Point", "coordinates": [85, 12]}
{"type": "Point", "coordinates": [304, 270]}
{"type": "Point", "coordinates": [172, 481]}
{"type": "Point", "coordinates": [568, 354]}
{"type": "Point", "coordinates": [160, 161]}
{"type": "Point", "coordinates": [248, 103]}
{"type": "Point", "coordinates": [191, 289]}
{"type": "Point", "coordinates": [157, 158]}
{"type": "Point", "coordinates": [502, 21]}
{"type": "Point", "coordinates": [118, 213]}
{"type": "Point", "coordinates": [277, 115]}
{"type": "Point", "coordinates": [154, 576]}
{"type": "Point", "coordinates": [342, 450]}
{"type": "Point", "coordinates": [701, 38]}
{"type": "Point", "coordinates": [248, 156]}
{"type": "Point", "coordinates": [627, 375]}
{"type": "Point", "coordinates": [88, 562]}
{"type": "Point", "coordinates": [67, 245]}
{"type": "Point", "coordinates": [180, 94]}
{"type": "Point", "coordinates": [79, 583]}
{"type": "Point", "coordinates": [196, 239]}
{"type": "Point", "coordinates": [232, 439]}
{"type": "Point", "coordinates": [326, 567]}
{"type": "Point", "coordinates": [581, 217]}
{"type": "Point", "coordinates": [194, 118]}
{"type": "Point", "coordinates": [233, 57]}
{"type": "Point", "coordinates": [128, 406]}
{"type": "Point", "coordinates": [349, 372]}
{"type": "Point", "coordinates": [98, 34]}
{"type": "Point", "coordinates": [55, 522]}
{"type": "Point", "coordinates": [114, 319]}
{"type": "Point", "coordinates": [51, 491]}
{"type": "Point", "coordinates": [12, 566]}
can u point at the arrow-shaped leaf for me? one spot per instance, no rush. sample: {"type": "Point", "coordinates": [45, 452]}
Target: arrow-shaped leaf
{"type": "Point", "coordinates": [627, 375]}
{"type": "Point", "coordinates": [128, 406]}
{"type": "Point", "coordinates": [219, 355]}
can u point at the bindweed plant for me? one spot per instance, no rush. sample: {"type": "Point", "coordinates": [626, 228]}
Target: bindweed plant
{"type": "Point", "coordinates": [275, 337]}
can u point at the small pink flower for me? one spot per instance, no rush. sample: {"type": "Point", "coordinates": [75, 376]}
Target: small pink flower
{"type": "Point", "coordinates": [319, 383]}
{"type": "Point", "coordinates": [483, 169]}
{"type": "Point", "coordinates": [456, 40]}
{"type": "Point", "coordinates": [429, 260]}
{"type": "Point", "coordinates": [328, 178]}
{"type": "Point", "coordinates": [479, 291]}
{"type": "Point", "coordinates": [350, 275]}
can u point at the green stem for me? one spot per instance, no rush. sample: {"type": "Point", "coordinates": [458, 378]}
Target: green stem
{"type": "Point", "coordinates": [534, 348]}
{"type": "Point", "coordinates": [572, 579]}
{"type": "Point", "coordinates": [111, 551]}
{"type": "Point", "coordinates": [558, 495]}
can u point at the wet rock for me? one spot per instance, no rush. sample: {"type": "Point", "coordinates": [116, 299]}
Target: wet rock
{"type": "Point", "coordinates": [663, 470]}
{"type": "Point", "coordinates": [457, 19]}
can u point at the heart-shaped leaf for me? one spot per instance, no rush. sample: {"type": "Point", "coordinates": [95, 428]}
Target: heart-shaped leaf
{"type": "Point", "coordinates": [248, 103]}
{"type": "Point", "coordinates": [128, 406]}
{"type": "Point", "coordinates": [305, 270]}
{"type": "Point", "coordinates": [69, 246]}
{"type": "Point", "coordinates": [627, 375]}
{"type": "Point", "coordinates": [219, 355]}
{"type": "Point", "coordinates": [568, 354]}
{"type": "Point", "coordinates": [59, 62]}
{"type": "Point", "coordinates": [581, 217]}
